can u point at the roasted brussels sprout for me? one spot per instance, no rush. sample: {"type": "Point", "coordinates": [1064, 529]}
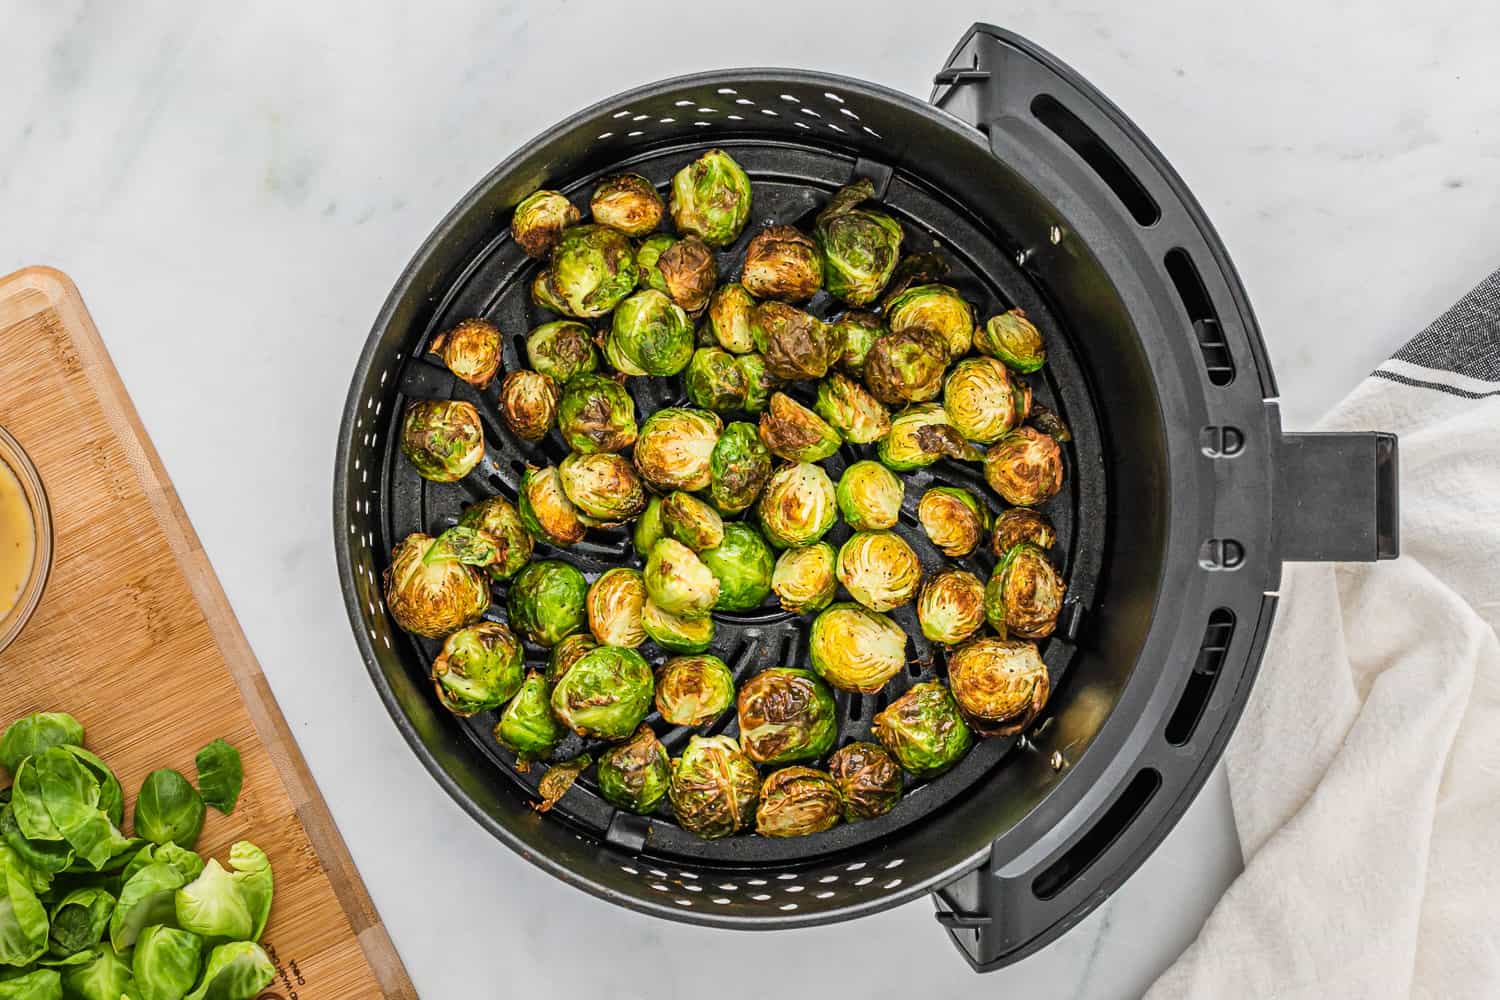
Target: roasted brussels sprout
{"type": "Point", "coordinates": [432, 585]}
{"type": "Point", "coordinates": [694, 690]}
{"type": "Point", "coordinates": [678, 582]}
{"type": "Point", "coordinates": [923, 730]}
{"type": "Point", "coordinates": [950, 607]}
{"type": "Point", "coordinates": [1030, 590]}
{"type": "Point", "coordinates": [791, 431]}
{"type": "Point", "coordinates": [546, 510]}
{"type": "Point", "coordinates": [711, 198]}
{"type": "Point", "coordinates": [738, 468]}
{"type": "Point", "coordinates": [649, 335]}
{"type": "Point", "coordinates": [879, 569]}
{"type": "Point", "coordinates": [528, 402]}
{"type": "Point", "coordinates": [676, 447]}
{"type": "Point", "coordinates": [859, 246]}
{"type": "Point", "coordinates": [627, 202]}
{"type": "Point", "coordinates": [920, 435]}
{"type": "Point", "coordinates": [923, 268]}
{"type": "Point", "coordinates": [471, 350]}
{"type": "Point", "coordinates": [1021, 524]}
{"type": "Point", "coordinates": [545, 294]}
{"type": "Point", "coordinates": [1013, 339]}
{"type": "Point", "coordinates": [857, 331]}
{"type": "Point", "coordinates": [539, 221]}
{"type": "Point", "coordinates": [954, 519]}
{"type": "Point", "coordinates": [979, 400]}
{"type": "Point", "coordinates": [714, 787]}
{"type": "Point", "coordinates": [797, 507]}
{"type": "Point", "coordinates": [691, 521]}
{"type": "Point", "coordinates": [796, 344]}
{"type": "Point", "coordinates": [526, 727]}
{"type": "Point", "coordinates": [906, 366]}
{"type": "Point", "coordinates": [593, 269]}
{"type": "Point", "coordinates": [782, 263]}
{"type": "Point", "coordinates": [1021, 393]}
{"type": "Point", "coordinates": [938, 308]}
{"type": "Point", "coordinates": [743, 563]}
{"type": "Point", "coordinates": [1050, 424]}
{"type": "Point", "coordinates": [562, 349]}
{"type": "Point", "coordinates": [596, 414]}
{"type": "Point", "coordinates": [498, 519]}
{"type": "Point", "coordinates": [615, 602]}
{"type": "Point", "coordinates": [786, 714]}
{"type": "Point", "coordinates": [759, 382]}
{"type": "Point", "coordinates": [804, 579]}
{"type": "Point", "coordinates": [443, 438]}
{"type": "Point", "coordinates": [796, 801]}
{"type": "Point", "coordinates": [868, 779]}
{"type": "Point", "coordinates": [684, 269]}
{"type": "Point", "coordinates": [603, 486]}
{"type": "Point", "coordinates": [568, 651]}
{"type": "Point", "coordinates": [648, 528]}
{"type": "Point", "coordinates": [634, 775]}
{"type": "Point", "coordinates": [676, 634]}
{"type": "Point", "coordinates": [558, 779]}
{"type": "Point", "coordinates": [605, 695]}
{"type": "Point", "coordinates": [1024, 467]}
{"type": "Point", "coordinates": [870, 496]}
{"type": "Point", "coordinates": [849, 409]}
{"type": "Point", "coordinates": [547, 601]}
{"type": "Point", "coordinates": [1000, 685]}
{"type": "Point", "coordinates": [729, 318]}
{"type": "Point", "coordinates": [479, 668]}
{"type": "Point", "coordinates": [856, 649]}
{"type": "Point", "coordinates": [715, 380]}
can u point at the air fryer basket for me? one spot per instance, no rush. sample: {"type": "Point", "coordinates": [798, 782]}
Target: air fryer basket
{"type": "Point", "coordinates": [1173, 524]}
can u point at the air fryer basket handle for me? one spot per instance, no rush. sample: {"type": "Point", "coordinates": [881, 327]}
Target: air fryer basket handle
{"type": "Point", "coordinates": [1336, 498]}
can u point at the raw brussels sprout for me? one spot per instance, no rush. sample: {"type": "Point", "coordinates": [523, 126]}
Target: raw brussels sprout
{"type": "Point", "coordinates": [528, 402]}
{"type": "Point", "coordinates": [479, 669]}
{"type": "Point", "coordinates": [634, 775]}
{"type": "Point", "coordinates": [694, 690]}
{"type": "Point", "coordinates": [791, 431]}
{"type": "Point", "coordinates": [796, 801]}
{"type": "Point", "coordinates": [804, 579]}
{"type": "Point", "coordinates": [729, 318]}
{"type": "Point", "coordinates": [691, 521]}
{"type": "Point", "coordinates": [236, 969]}
{"type": "Point", "coordinates": [148, 897]}
{"type": "Point", "coordinates": [545, 294]}
{"type": "Point", "coordinates": [797, 507]}
{"type": "Point", "coordinates": [920, 435]}
{"type": "Point", "coordinates": [79, 921]}
{"type": "Point", "coordinates": [859, 246]}
{"type": "Point", "coordinates": [443, 438]}
{"type": "Point", "coordinates": [676, 634]}
{"type": "Point", "coordinates": [870, 496]}
{"type": "Point", "coordinates": [684, 269]}
{"type": "Point", "coordinates": [979, 400]}
{"type": "Point", "coordinates": [432, 586]}
{"type": "Point", "coordinates": [675, 449]}
{"type": "Point", "coordinates": [796, 344]}
{"type": "Point", "coordinates": [711, 199]}
{"type": "Point", "coordinates": [678, 582]}
{"type": "Point", "coordinates": [906, 366]}
{"type": "Point", "coordinates": [879, 569]}
{"type": "Point", "coordinates": [950, 607]}
{"type": "Point", "coordinates": [96, 974]}
{"type": "Point", "coordinates": [1021, 524]}
{"type": "Point", "coordinates": [954, 519]}
{"type": "Point", "coordinates": [715, 380]}
{"type": "Point", "coordinates": [605, 486]}
{"type": "Point", "coordinates": [539, 221]}
{"type": "Point", "coordinates": [742, 562]}
{"type": "Point", "coordinates": [627, 202]}
{"type": "Point", "coordinates": [868, 778]}
{"type": "Point", "coordinates": [546, 510]}
{"type": "Point", "coordinates": [252, 876]}
{"type": "Point", "coordinates": [471, 350]}
{"type": "Point", "coordinates": [856, 649]}
{"type": "Point", "coordinates": [605, 695]}
{"type": "Point", "coordinates": [782, 263]}
{"type": "Point", "coordinates": [615, 603]}
{"type": "Point", "coordinates": [498, 519]}
{"type": "Point", "coordinates": [169, 809]}
{"type": "Point", "coordinates": [568, 651]}
{"type": "Point", "coordinates": [1013, 339]}
{"type": "Point", "coordinates": [738, 468]}
{"type": "Point", "coordinates": [649, 335]}
{"type": "Point", "coordinates": [938, 308]}
{"type": "Point", "coordinates": [1024, 467]}
{"type": "Point", "coordinates": [166, 963]}
{"type": "Point", "coordinates": [1000, 685]}
{"type": "Point", "coordinates": [786, 714]}
{"type": "Point", "coordinates": [212, 906]}
{"type": "Point", "coordinates": [1029, 590]}
{"type": "Point", "coordinates": [759, 382]}
{"type": "Point", "coordinates": [31, 734]}
{"type": "Point", "coordinates": [923, 730]}
{"type": "Point", "coordinates": [547, 601]}
{"type": "Point", "coordinates": [596, 414]}
{"type": "Point", "coordinates": [714, 787]}
{"type": "Point", "coordinates": [39, 984]}
{"type": "Point", "coordinates": [562, 349]}
{"type": "Point", "coordinates": [526, 727]}
{"type": "Point", "coordinates": [593, 269]}
{"type": "Point", "coordinates": [853, 412]}
{"type": "Point", "coordinates": [857, 331]}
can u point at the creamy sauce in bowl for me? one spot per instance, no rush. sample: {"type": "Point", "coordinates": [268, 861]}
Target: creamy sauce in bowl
{"type": "Point", "coordinates": [17, 540]}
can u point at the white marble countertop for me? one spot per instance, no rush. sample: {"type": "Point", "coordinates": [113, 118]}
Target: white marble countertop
{"type": "Point", "coordinates": [235, 188]}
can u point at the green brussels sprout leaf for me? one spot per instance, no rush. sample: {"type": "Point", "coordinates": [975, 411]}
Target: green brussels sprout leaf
{"type": "Point", "coordinates": [220, 775]}
{"type": "Point", "coordinates": [169, 809]}
{"type": "Point", "coordinates": [166, 962]}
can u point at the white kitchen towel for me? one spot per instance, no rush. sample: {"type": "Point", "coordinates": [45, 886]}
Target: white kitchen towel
{"type": "Point", "coordinates": [1365, 773]}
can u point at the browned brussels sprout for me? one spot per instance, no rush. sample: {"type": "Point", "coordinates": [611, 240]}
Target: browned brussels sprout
{"type": "Point", "coordinates": [742, 563]}
{"type": "Point", "coordinates": [851, 411]}
{"type": "Point", "coordinates": [615, 603]}
{"type": "Point", "coordinates": [634, 775]}
{"type": "Point", "coordinates": [496, 517]}
{"type": "Point", "coordinates": [906, 367]}
{"type": "Point", "coordinates": [729, 318]}
{"type": "Point", "coordinates": [676, 447]}
{"type": "Point", "coordinates": [868, 778]}
{"type": "Point", "coordinates": [857, 331]}
{"type": "Point", "coordinates": [546, 510]}
{"type": "Point", "coordinates": [782, 263]}
{"type": "Point", "coordinates": [796, 344]}
{"type": "Point", "coordinates": [627, 202]}
{"type": "Point", "coordinates": [922, 434]}
{"type": "Point", "coordinates": [442, 438]}
{"type": "Point", "coordinates": [938, 308]}
{"type": "Point", "coordinates": [924, 730]}
{"type": "Point", "coordinates": [1013, 339]}
{"type": "Point", "coordinates": [714, 787]}
{"type": "Point", "coordinates": [684, 269]}
{"type": "Point", "coordinates": [593, 269]}
{"type": "Point", "coordinates": [433, 585]}
{"type": "Point", "coordinates": [856, 649]}
{"type": "Point", "coordinates": [539, 221]}
{"type": "Point", "coordinates": [979, 399]}
{"type": "Point", "coordinates": [759, 382]}
{"type": "Point", "coordinates": [786, 714]}
{"type": "Point", "coordinates": [1025, 467]}
{"type": "Point", "coordinates": [596, 414]}
{"type": "Point", "coordinates": [562, 349]}
{"type": "Point", "coordinates": [796, 801]}
{"type": "Point", "coordinates": [715, 380]}
{"type": "Point", "coordinates": [691, 521]}
{"type": "Point", "coordinates": [471, 350]}
{"type": "Point", "coordinates": [804, 579]}
{"type": "Point", "coordinates": [954, 519]}
{"type": "Point", "coordinates": [1030, 590]}
{"type": "Point", "coordinates": [568, 651]}
{"type": "Point", "coordinates": [798, 505]}
{"type": "Point", "coordinates": [678, 582]}
{"type": "Point", "coordinates": [915, 269]}
{"type": "Point", "coordinates": [859, 246]}
{"type": "Point", "coordinates": [879, 569]}
{"type": "Point", "coordinates": [791, 431]}
{"type": "Point", "coordinates": [557, 780]}
{"type": "Point", "coordinates": [738, 468]}
{"type": "Point", "coordinates": [694, 690]}
{"type": "Point", "coordinates": [870, 496]}
{"type": "Point", "coordinates": [547, 601]}
{"type": "Point", "coordinates": [676, 634]}
{"type": "Point", "coordinates": [1021, 393]}
{"type": "Point", "coordinates": [1050, 424]}
{"type": "Point", "coordinates": [1000, 685]}
{"type": "Point", "coordinates": [711, 198]}
{"type": "Point", "coordinates": [545, 294]}
{"type": "Point", "coordinates": [526, 727]}
{"type": "Point", "coordinates": [950, 607]}
{"type": "Point", "coordinates": [479, 668]}
{"type": "Point", "coordinates": [1021, 524]}
{"type": "Point", "coordinates": [605, 694]}
{"type": "Point", "coordinates": [649, 334]}
{"type": "Point", "coordinates": [603, 486]}
{"type": "Point", "coordinates": [528, 402]}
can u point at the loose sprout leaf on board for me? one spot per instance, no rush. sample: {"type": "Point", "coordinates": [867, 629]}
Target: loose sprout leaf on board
{"type": "Point", "coordinates": [34, 733]}
{"type": "Point", "coordinates": [220, 775]}
{"type": "Point", "coordinates": [169, 809]}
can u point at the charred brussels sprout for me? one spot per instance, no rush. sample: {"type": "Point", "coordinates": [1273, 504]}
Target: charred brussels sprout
{"type": "Point", "coordinates": [694, 690]}
{"type": "Point", "coordinates": [950, 607]}
{"type": "Point", "coordinates": [856, 649]}
{"type": "Point", "coordinates": [868, 778]}
{"type": "Point", "coordinates": [924, 268]}
{"type": "Point", "coordinates": [979, 400]}
{"type": "Point", "coordinates": [796, 801]}
{"type": "Point", "coordinates": [627, 202]}
{"type": "Point", "coordinates": [479, 668]}
{"type": "Point", "coordinates": [738, 468]}
{"type": "Point", "coordinates": [676, 634]}
{"type": "Point", "coordinates": [920, 435]}
{"type": "Point", "coordinates": [786, 714]}
{"type": "Point", "coordinates": [742, 562]}
{"type": "Point", "coordinates": [791, 431]}
{"type": "Point", "coordinates": [906, 366]}
{"type": "Point", "coordinates": [432, 585]}
{"type": "Point", "coordinates": [1031, 592]}
{"type": "Point", "coordinates": [526, 727]}
{"type": "Point", "coordinates": [859, 246]}
{"type": "Point", "coordinates": [603, 486]}
{"type": "Point", "coordinates": [562, 349]}
{"type": "Point", "coordinates": [545, 294]}
{"type": "Point", "coordinates": [539, 221]}
{"type": "Point", "coordinates": [954, 519]}
{"type": "Point", "coordinates": [678, 582]}
{"type": "Point", "coordinates": [879, 569]}
{"type": "Point", "coordinates": [923, 730]}
{"type": "Point", "coordinates": [1021, 393]}
{"type": "Point", "coordinates": [691, 521]}
{"type": "Point", "coordinates": [1013, 339]}
{"type": "Point", "coordinates": [715, 380]}
{"type": "Point", "coordinates": [714, 787]}
{"type": "Point", "coordinates": [528, 402]}
{"type": "Point", "coordinates": [498, 519]}
{"type": "Point", "coordinates": [547, 601]}
{"type": "Point", "coordinates": [711, 198]}
{"type": "Point", "coordinates": [593, 269]}
{"type": "Point", "coordinates": [759, 382]}
{"type": "Point", "coordinates": [850, 410]}
{"type": "Point", "coordinates": [684, 269]}
{"type": "Point", "coordinates": [796, 344]}
{"type": "Point", "coordinates": [443, 438]}
{"type": "Point", "coordinates": [1050, 424]}
{"type": "Point", "coordinates": [596, 414]}
{"type": "Point", "coordinates": [471, 350]}
{"type": "Point", "coordinates": [1021, 524]}
{"type": "Point", "coordinates": [568, 651]}
{"type": "Point", "coordinates": [797, 507]}
{"type": "Point", "coordinates": [729, 318]}
{"type": "Point", "coordinates": [938, 308]}
{"type": "Point", "coordinates": [1024, 467]}
{"type": "Point", "coordinates": [605, 695]}
{"type": "Point", "coordinates": [1000, 685]}
{"type": "Point", "coordinates": [546, 510]}
{"type": "Point", "coordinates": [804, 579]}
{"type": "Point", "coordinates": [870, 496]}
{"type": "Point", "coordinates": [857, 331]}
{"type": "Point", "coordinates": [649, 335]}
{"type": "Point", "coordinates": [634, 775]}
{"type": "Point", "coordinates": [648, 529]}
{"type": "Point", "coordinates": [615, 603]}
{"type": "Point", "coordinates": [676, 447]}
{"type": "Point", "coordinates": [782, 263]}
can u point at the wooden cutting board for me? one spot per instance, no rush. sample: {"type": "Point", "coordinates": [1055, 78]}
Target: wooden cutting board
{"type": "Point", "coordinates": [135, 638]}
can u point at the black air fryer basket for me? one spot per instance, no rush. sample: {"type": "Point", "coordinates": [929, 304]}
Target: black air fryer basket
{"type": "Point", "coordinates": [1182, 499]}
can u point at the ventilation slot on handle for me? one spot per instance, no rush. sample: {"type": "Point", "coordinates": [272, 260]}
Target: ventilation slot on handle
{"type": "Point", "coordinates": [1200, 309]}
{"type": "Point", "coordinates": [1200, 685]}
{"type": "Point", "coordinates": [1092, 845]}
{"type": "Point", "coordinates": [1101, 159]}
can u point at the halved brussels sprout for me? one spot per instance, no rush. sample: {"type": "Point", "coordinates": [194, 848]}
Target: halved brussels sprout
{"type": "Point", "coordinates": [539, 221]}
{"type": "Point", "coordinates": [562, 349]}
{"type": "Point", "coordinates": [471, 350]}
{"type": "Point", "coordinates": [596, 414]}
{"type": "Point", "coordinates": [432, 586]}
{"type": "Point", "coordinates": [711, 198]}
{"type": "Point", "coordinates": [954, 519]}
{"type": "Point", "coordinates": [738, 468]}
{"type": "Point", "coordinates": [546, 510]}
{"type": "Point", "coordinates": [545, 294]}
{"type": "Point", "coordinates": [568, 651]}
{"type": "Point", "coordinates": [938, 308]}
{"type": "Point", "coordinates": [906, 366]}
{"type": "Point", "coordinates": [691, 521]}
{"type": "Point", "coordinates": [1021, 524]}
{"type": "Point", "coordinates": [950, 607]}
{"type": "Point", "coordinates": [1025, 467]}
{"type": "Point", "coordinates": [648, 528]}
{"type": "Point", "coordinates": [714, 787]}
{"type": "Point", "coordinates": [853, 412]}
{"type": "Point", "coordinates": [1031, 591]}
{"type": "Point", "coordinates": [924, 730]}
{"type": "Point", "coordinates": [859, 246]}
{"type": "Point", "coordinates": [870, 496]}
{"type": "Point", "coordinates": [856, 649]}
{"type": "Point", "coordinates": [593, 269]}
{"type": "Point", "coordinates": [796, 801]}
{"type": "Point", "coordinates": [694, 690]}
{"type": "Point", "coordinates": [797, 507]}
{"type": "Point", "coordinates": [922, 268]}
{"type": "Point", "coordinates": [526, 727]}
{"type": "Point", "coordinates": [796, 344]}
{"type": "Point", "coordinates": [479, 668]}
{"type": "Point", "coordinates": [920, 435]}
{"type": "Point", "coordinates": [791, 431]}
{"type": "Point", "coordinates": [804, 578]}
{"type": "Point", "coordinates": [634, 775]}
{"type": "Point", "coordinates": [528, 402]}
{"type": "Point", "coordinates": [857, 331]}
{"type": "Point", "coordinates": [615, 603]}
{"type": "Point", "coordinates": [786, 714]}
{"type": "Point", "coordinates": [715, 380]}
{"type": "Point", "coordinates": [1021, 393]}
{"type": "Point", "coordinates": [605, 695]}
{"type": "Point", "coordinates": [443, 438]}
{"type": "Point", "coordinates": [1000, 685]}
{"type": "Point", "coordinates": [879, 569]}
{"type": "Point", "coordinates": [678, 582]}
{"type": "Point", "coordinates": [979, 399]}
{"type": "Point", "coordinates": [627, 202]}
{"type": "Point", "coordinates": [497, 518]}
{"type": "Point", "coordinates": [649, 335]}
{"type": "Point", "coordinates": [759, 382]}
{"type": "Point", "coordinates": [676, 447]}
{"type": "Point", "coordinates": [729, 318]}
{"type": "Point", "coordinates": [684, 269]}
{"type": "Point", "coordinates": [547, 601]}
{"type": "Point", "coordinates": [868, 779]}
{"type": "Point", "coordinates": [1013, 339]}
{"type": "Point", "coordinates": [676, 634]}
{"type": "Point", "coordinates": [742, 562]}
{"type": "Point", "coordinates": [604, 486]}
{"type": "Point", "coordinates": [782, 263]}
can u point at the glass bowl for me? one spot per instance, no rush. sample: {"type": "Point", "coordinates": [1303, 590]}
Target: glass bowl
{"type": "Point", "coordinates": [14, 620]}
